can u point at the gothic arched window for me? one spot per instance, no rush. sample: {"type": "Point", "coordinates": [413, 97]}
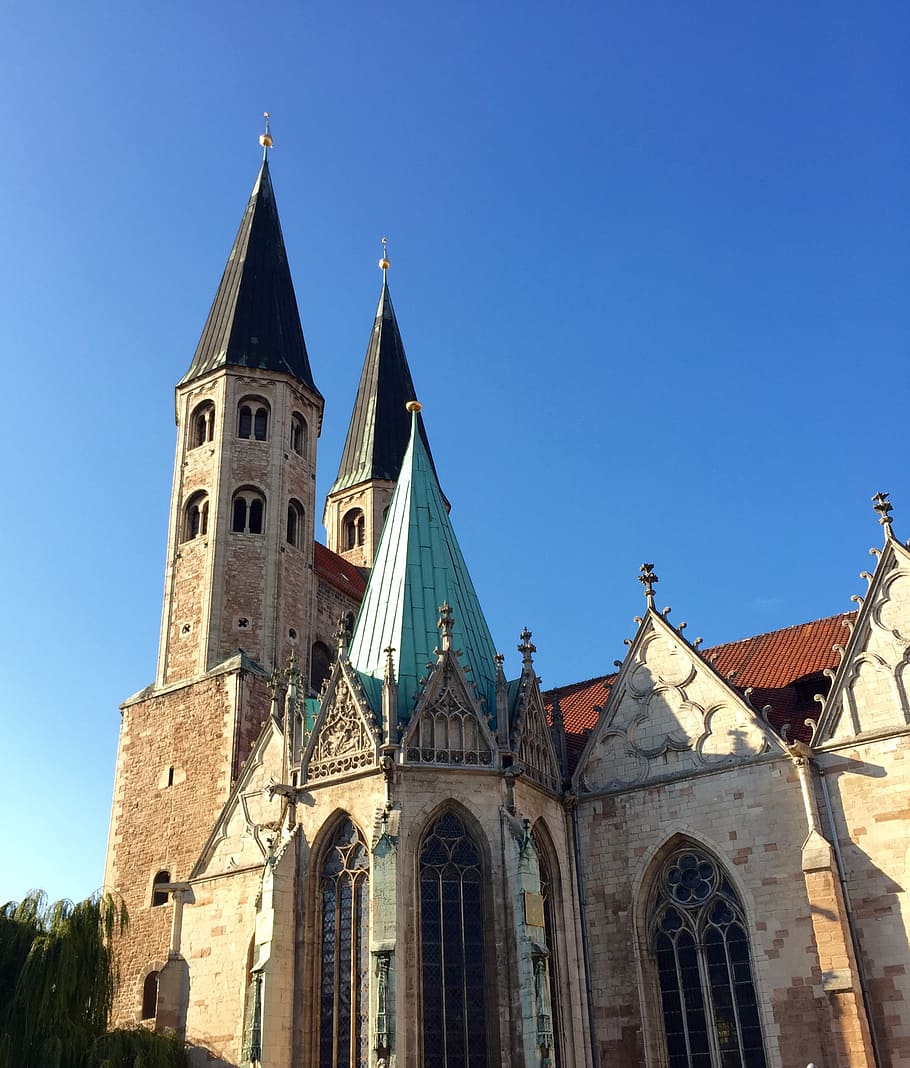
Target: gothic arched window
{"type": "Point", "coordinates": [549, 891]}
{"type": "Point", "coordinates": [344, 935]}
{"type": "Point", "coordinates": [452, 946]}
{"type": "Point", "coordinates": [698, 937]}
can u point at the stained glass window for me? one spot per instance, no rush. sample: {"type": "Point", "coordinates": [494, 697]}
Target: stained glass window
{"type": "Point", "coordinates": [452, 947]}
{"type": "Point", "coordinates": [698, 936]}
{"type": "Point", "coordinates": [343, 999]}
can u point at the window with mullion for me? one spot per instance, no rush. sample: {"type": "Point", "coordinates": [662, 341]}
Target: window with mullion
{"type": "Point", "coordinates": [701, 951]}
{"type": "Point", "coordinates": [343, 997]}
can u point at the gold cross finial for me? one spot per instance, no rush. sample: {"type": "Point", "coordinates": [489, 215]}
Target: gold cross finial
{"type": "Point", "coordinates": [265, 139]}
{"type": "Point", "coordinates": [384, 264]}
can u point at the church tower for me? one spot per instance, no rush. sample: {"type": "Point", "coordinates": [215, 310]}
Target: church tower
{"type": "Point", "coordinates": [358, 502]}
{"type": "Point", "coordinates": [240, 543]}
{"type": "Point", "coordinates": [239, 596]}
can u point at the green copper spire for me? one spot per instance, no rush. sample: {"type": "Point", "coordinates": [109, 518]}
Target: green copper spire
{"type": "Point", "coordinates": [419, 566]}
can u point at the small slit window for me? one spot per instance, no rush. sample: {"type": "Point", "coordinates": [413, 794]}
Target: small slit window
{"type": "Point", "coordinates": [150, 996]}
{"type": "Point", "coordinates": [203, 425]}
{"type": "Point", "coordinates": [247, 512]}
{"type": "Point", "coordinates": [298, 434]}
{"type": "Point", "coordinates": [253, 420]}
{"type": "Point", "coordinates": [159, 895]}
{"type": "Point", "coordinates": [196, 517]}
{"type": "Point", "coordinates": [295, 523]}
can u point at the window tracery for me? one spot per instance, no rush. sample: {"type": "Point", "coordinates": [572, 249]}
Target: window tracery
{"type": "Point", "coordinates": [701, 949]}
{"type": "Point", "coordinates": [452, 946]}
{"type": "Point", "coordinates": [344, 912]}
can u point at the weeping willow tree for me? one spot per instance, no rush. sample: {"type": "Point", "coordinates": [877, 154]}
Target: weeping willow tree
{"type": "Point", "coordinates": [57, 983]}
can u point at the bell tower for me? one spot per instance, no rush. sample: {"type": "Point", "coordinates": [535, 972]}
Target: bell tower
{"type": "Point", "coordinates": [240, 540]}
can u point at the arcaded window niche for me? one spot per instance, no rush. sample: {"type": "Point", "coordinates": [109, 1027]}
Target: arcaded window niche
{"type": "Point", "coordinates": [247, 512]}
{"type": "Point", "coordinates": [353, 529]}
{"type": "Point", "coordinates": [253, 419]}
{"type": "Point", "coordinates": [195, 517]}
{"type": "Point", "coordinates": [298, 434]}
{"type": "Point", "coordinates": [202, 424]}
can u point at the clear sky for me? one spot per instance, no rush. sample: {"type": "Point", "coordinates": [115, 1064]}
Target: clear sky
{"type": "Point", "coordinates": [650, 264]}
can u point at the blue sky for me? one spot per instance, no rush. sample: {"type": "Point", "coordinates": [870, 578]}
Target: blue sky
{"type": "Point", "coordinates": [650, 264]}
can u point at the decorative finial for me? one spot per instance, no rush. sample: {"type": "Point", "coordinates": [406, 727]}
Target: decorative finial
{"type": "Point", "coordinates": [344, 631]}
{"type": "Point", "coordinates": [883, 506]}
{"type": "Point", "coordinates": [384, 264]}
{"type": "Point", "coordinates": [413, 406]}
{"type": "Point", "coordinates": [527, 648]}
{"type": "Point", "coordinates": [445, 623]}
{"type": "Point", "coordinates": [647, 578]}
{"type": "Point", "coordinates": [389, 663]}
{"type": "Point", "coordinates": [265, 139]}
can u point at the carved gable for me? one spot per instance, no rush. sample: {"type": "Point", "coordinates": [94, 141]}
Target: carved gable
{"type": "Point", "coordinates": [669, 714]}
{"type": "Point", "coordinates": [532, 739]}
{"type": "Point", "coordinates": [448, 726]}
{"type": "Point", "coordinates": [870, 689]}
{"type": "Point", "coordinates": [345, 738]}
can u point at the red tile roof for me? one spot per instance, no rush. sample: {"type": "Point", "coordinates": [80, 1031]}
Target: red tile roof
{"type": "Point", "coordinates": [335, 570]}
{"type": "Point", "coordinates": [784, 668]}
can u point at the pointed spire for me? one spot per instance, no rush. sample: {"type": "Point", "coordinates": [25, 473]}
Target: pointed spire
{"type": "Point", "coordinates": [379, 428]}
{"type": "Point", "coordinates": [254, 320]}
{"type": "Point", "coordinates": [418, 567]}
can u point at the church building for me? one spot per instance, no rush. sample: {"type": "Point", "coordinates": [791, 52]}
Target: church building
{"type": "Point", "coordinates": [345, 838]}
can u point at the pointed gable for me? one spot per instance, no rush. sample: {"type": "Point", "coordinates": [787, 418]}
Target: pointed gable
{"type": "Point", "coordinates": [344, 738]}
{"type": "Point", "coordinates": [669, 714]}
{"type": "Point", "coordinates": [254, 320]}
{"type": "Point", "coordinates": [379, 429]}
{"type": "Point", "coordinates": [869, 693]}
{"type": "Point", "coordinates": [418, 567]}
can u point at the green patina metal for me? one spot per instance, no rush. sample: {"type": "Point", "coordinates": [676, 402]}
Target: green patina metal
{"type": "Point", "coordinates": [418, 566]}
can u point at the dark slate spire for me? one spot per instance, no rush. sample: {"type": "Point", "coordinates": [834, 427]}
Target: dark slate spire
{"type": "Point", "coordinates": [380, 425]}
{"type": "Point", "coordinates": [254, 321]}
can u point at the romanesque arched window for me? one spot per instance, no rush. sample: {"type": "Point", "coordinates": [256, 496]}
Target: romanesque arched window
{"type": "Point", "coordinates": [295, 523]}
{"type": "Point", "coordinates": [203, 424]}
{"type": "Point", "coordinates": [344, 938]}
{"type": "Point", "coordinates": [150, 996]}
{"type": "Point", "coordinates": [353, 530]}
{"type": "Point", "coordinates": [701, 949]}
{"type": "Point", "coordinates": [298, 434]}
{"type": "Point", "coordinates": [195, 517]}
{"type": "Point", "coordinates": [452, 948]}
{"type": "Point", "coordinates": [247, 512]}
{"type": "Point", "coordinates": [253, 419]}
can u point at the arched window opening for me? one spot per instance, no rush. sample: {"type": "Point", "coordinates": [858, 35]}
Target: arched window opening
{"type": "Point", "coordinates": [253, 420]}
{"type": "Point", "coordinates": [344, 936]}
{"type": "Point", "coordinates": [295, 523]}
{"type": "Point", "coordinates": [247, 512]}
{"type": "Point", "coordinates": [196, 517]}
{"type": "Point", "coordinates": [159, 896]}
{"type": "Point", "coordinates": [452, 946]}
{"type": "Point", "coordinates": [150, 996]}
{"type": "Point", "coordinates": [354, 529]}
{"type": "Point", "coordinates": [298, 434]}
{"type": "Point", "coordinates": [701, 950]}
{"type": "Point", "coordinates": [549, 895]}
{"type": "Point", "coordinates": [203, 425]}
{"type": "Point", "coordinates": [320, 665]}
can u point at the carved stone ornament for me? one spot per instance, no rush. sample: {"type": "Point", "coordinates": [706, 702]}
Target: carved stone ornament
{"type": "Point", "coordinates": [536, 752]}
{"type": "Point", "coordinates": [344, 741]}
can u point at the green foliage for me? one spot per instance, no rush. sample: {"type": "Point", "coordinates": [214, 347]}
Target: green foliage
{"type": "Point", "coordinates": [57, 984]}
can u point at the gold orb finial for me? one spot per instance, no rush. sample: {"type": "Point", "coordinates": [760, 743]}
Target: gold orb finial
{"type": "Point", "coordinates": [413, 406]}
{"type": "Point", "coordinates": [384, 264]}
{"type": "Point", "coordinates": [265, 139]}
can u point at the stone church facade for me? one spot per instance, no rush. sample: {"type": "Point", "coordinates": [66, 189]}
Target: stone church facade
{"type": "Point", "coordinates": [345, 838]}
